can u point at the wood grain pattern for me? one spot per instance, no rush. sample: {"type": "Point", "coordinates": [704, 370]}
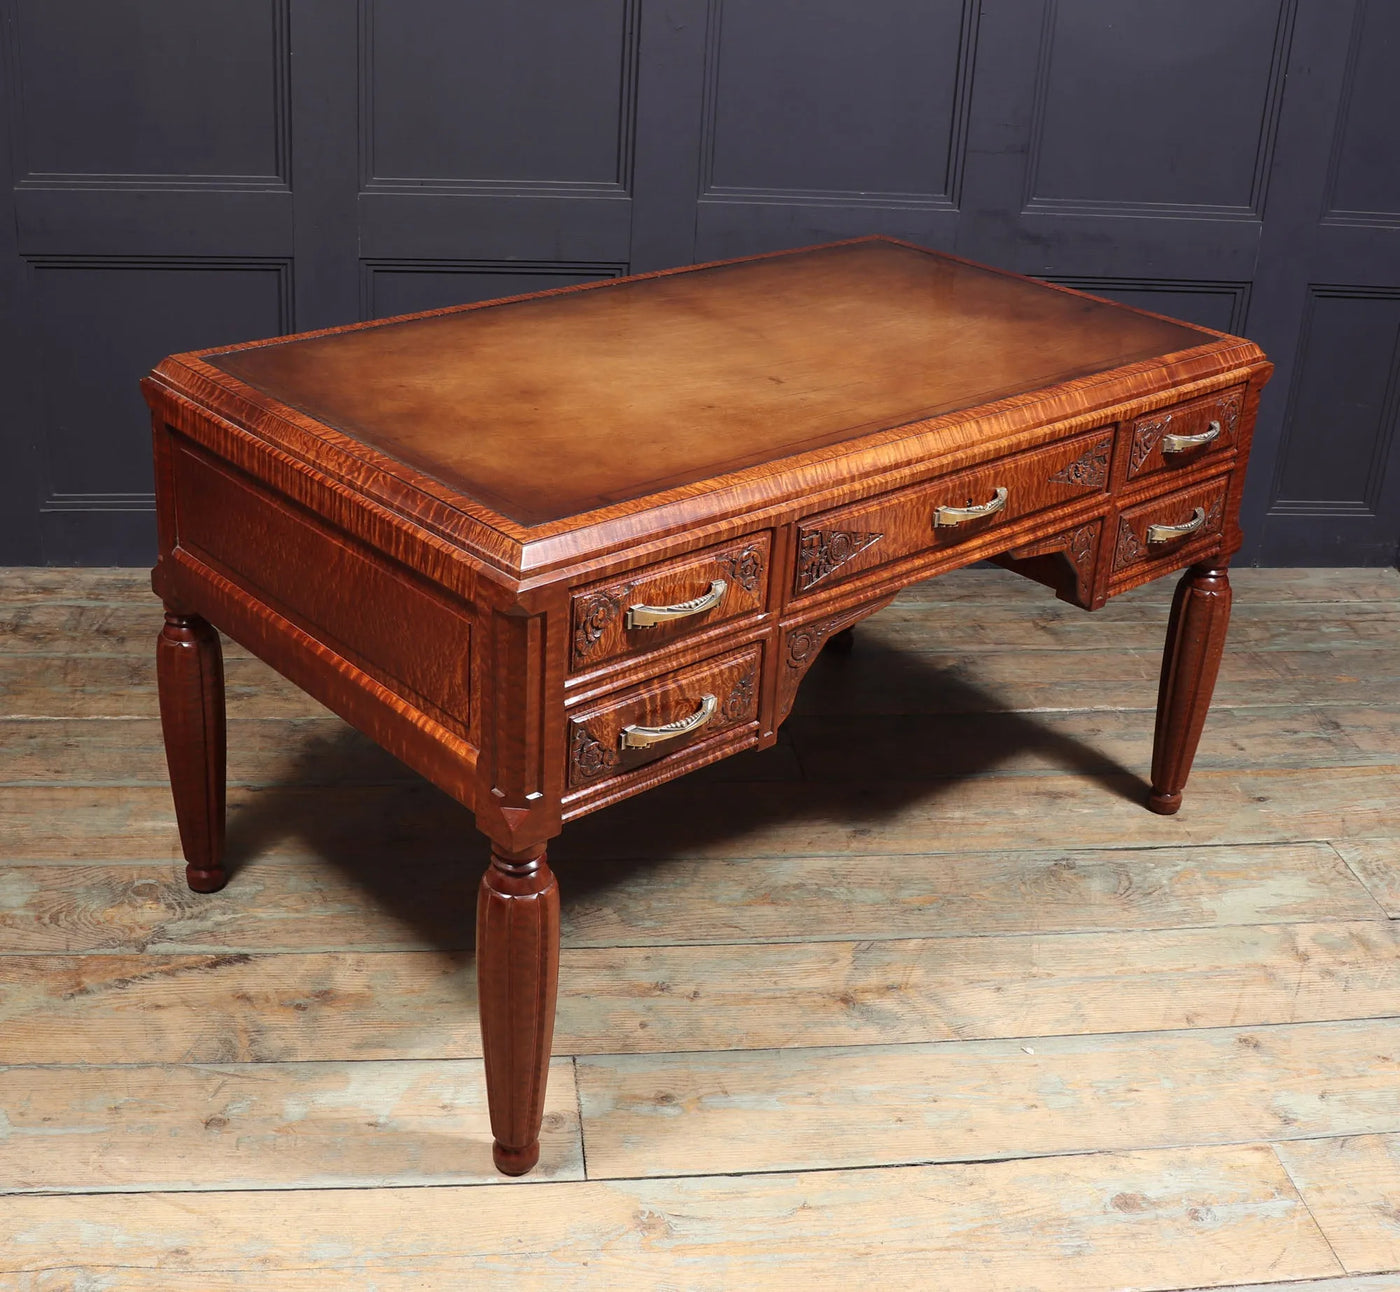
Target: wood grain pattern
{"type": "Point", "coordinates": [1169, 1219]}
{"type": "Point", "coordinates": [268, 1126]}
{"type": "Point", "coordinates": [239, 1006]}
{"type": "Point", "coordinates": [305, 902]}
{"type": "Point", "coordinates": [1377, 864]}
{"type": "Point", "coordinates": [789, 1109]}
{"type": "Point", "coordinates": [1352, 1188]}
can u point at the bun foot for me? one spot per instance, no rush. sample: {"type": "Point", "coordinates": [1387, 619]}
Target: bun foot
{"type": "Point", "coordinates": [515, 1161]}
{"type": "Point", "coordinates": [205, 881]}
{"type": "Point", "coordinates": [1164, 804]}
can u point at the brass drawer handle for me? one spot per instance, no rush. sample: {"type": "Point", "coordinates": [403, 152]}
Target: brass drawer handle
{"type": "Point", "coordinates": [641, 616]}
{"type": "Point", "coordinates": [641, 737]}
{"type": "Point", "coordinates": [1180, 443]}
{"type": "Point", "coordinates": [1165, 533]}
{"type": "Point", "coordinates": [956, 515]}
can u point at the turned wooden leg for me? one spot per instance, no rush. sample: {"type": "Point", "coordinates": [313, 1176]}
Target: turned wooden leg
{"type": "Point", "coordinates": [190, 675]}
{"type": "Point", "coordinates": [517, 972]}
{"type": "Point", "coordinates": [1195, 641]}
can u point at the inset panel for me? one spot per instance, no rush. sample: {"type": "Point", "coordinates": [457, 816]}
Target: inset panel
{"type": "Point", "coordinates": [1342, 416]}
{"type": "Point", "coordinates": [1222, 306]}
{"type": "Point", "coordinates": [827, 97]}
{"type": "Point", "coordinates": [526, 93]}
{"type": "Point", "coordinates": [1366, 154]}
{"type": "Point", "coordinates": [1157, 105]}
{"type": "Point", "coordinates": [396, 287]}
{"type": "Point", "coordinates": [101, 325]}
{"type": "Point", "coordinates": [148, 89]}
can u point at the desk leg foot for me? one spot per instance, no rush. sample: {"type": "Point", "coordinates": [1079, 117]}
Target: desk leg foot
{"type": "Point", "coordinates": [1195, 642]}
{"type": "Point", "coordinates": [190, 677]}
{"type": "Point", "coordinates": [517, 968]}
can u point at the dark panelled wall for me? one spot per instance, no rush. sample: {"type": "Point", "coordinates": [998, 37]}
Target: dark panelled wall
{"type": "Point", "coordinates": [187, 174]}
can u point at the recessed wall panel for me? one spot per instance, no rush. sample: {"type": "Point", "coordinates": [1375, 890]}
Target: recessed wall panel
{"type": "Point", "coordinates": [828, 96]}
{"type": "Point", "coordinates": [151, 88]}
{"type": "Point", "coordinates": [528, 92]}
{"type": "Point", "coordinates": [1343, 413]}
{"type": "Point", "coordinates": [101, 326]}
{"type": "Point", "coordinates": [1146, 103]}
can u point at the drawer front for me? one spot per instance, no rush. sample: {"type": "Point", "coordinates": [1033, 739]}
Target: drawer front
{"type": "Point", "coordinates": [1145, 537]}
{"type": "Point", "coordinates": [662, 718]}
{"type": "Point", "coordinates": [700, 589]}
{"type": "Point", "coordinates": [837, 544]}
{"type": "Point", "coordinates": [1159, 441]}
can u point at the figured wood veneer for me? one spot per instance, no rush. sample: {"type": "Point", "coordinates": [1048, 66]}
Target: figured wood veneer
{"type": "Point", "coordinates": [436, 525]}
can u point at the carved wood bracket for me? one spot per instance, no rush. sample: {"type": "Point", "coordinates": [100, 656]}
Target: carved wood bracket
{"type": "Point", "coordinates": [803, 643]}
{"type": "Point", "coordinates": [1072, 577]}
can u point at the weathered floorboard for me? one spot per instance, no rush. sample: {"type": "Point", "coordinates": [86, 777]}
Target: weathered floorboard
{"type": "Point", "coordinates": [1352, 1188]}
{"type": "Point", "coordinates": [1173, 1219]}
{"type": "Point", "coordinates": [769, 1110]}
{"type": "Point", "coordinates": [237, 1007]}
{"type": "Point", "coordinates": [264, 1126]}
{"type": "Point", "coordinates": [367, 900]}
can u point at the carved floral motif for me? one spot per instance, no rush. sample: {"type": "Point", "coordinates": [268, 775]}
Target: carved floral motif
{"type": "Point", "coordinates": [739, 703]}
{"type": "Point", "coordinates": [745, 567]}
{"type": "Point", "coordinates": [1090, 470]}
{"type": "Point", "coordinates": [588, 756]}
{"type": "Point", "coordinates": [593, 617]}
{"type": "Point", "coordinates": [1082, 545]}
{"type": "Point", "coordinates": [823, 550]}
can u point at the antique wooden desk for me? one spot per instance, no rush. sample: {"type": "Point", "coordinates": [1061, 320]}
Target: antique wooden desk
{"type": "Point", "coordinates": [554, 551]}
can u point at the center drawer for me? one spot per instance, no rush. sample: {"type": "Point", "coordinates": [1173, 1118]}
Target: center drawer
{"type": "Point", "coordinates": [943, 513]}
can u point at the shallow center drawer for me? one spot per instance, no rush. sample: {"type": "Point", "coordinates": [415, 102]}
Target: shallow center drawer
{"type": "Point", "coordinates": [837, 544]}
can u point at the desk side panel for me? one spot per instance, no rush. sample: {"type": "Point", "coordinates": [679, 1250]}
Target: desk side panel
{"type": "Point", "coordinates": [375, 642]}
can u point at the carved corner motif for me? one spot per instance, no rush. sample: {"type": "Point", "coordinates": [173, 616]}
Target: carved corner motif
{"type": "Point", "coordinates": [1230, 407]}
{"type": "Point", "coordinates": [1145, 437]}
{"type": "Point", "coordinates": [592, 618]}
{"type": "Point", "coordinates": [739, 703]}
{"type": "Point", "coordinates": [1129, 547]}
{"type": "Point", "coordinates": [804, 644]}
{"type": "Point", "coordinates": [1083, 545]}
{"type": "Point", "coordinates": [824, 550]}
{"type": "Point", "coordinates": [745, 567]}
{"type": "Point", "coordinates": [1090, 469]}
{"type": "Point", "coordinates": [588, 756]}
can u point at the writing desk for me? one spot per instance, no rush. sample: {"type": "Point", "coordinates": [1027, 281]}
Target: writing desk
{"type": "Point", "coordinates": [556, 550]}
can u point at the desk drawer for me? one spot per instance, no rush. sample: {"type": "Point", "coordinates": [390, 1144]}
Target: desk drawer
{"type": "Point", "coordinates": [663, 718]}
{"type": "Point", "coordinates": [837, 544]}
{"type": "Point", "coordinates": [1160, 441]}
{"type": "Point", "coordinates": [1144, 537]}
{"type": "Point", "coordinates": [699, 589]}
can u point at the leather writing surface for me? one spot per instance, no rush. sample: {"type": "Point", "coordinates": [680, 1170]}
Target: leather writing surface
{"type": "Point", "coordinates": [546, 408]}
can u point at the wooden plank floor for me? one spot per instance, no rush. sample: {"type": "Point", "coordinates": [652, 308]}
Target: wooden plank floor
{"type": "Point", "coordinates": [922, 996]}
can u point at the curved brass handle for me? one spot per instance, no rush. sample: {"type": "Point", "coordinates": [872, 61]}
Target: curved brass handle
{"type": "Point", "coordinates": [640, 737]}
{"type": "Point", "coordinates": [1180, 443]}
{"type": "Point", "coordinates": [641, 616]}
{"type": "Point", "coordinates": [956, 515]}
{"type": "Point", "coordinates": [1165, 533]}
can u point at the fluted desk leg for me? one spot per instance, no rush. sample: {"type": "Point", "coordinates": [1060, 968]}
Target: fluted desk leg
{"type": "Point", "coordinates": [1195, 642]}
{"type": "Point", "coordinates": [190, 678]}
{"type": "Point", "coordinates": [517, 958]}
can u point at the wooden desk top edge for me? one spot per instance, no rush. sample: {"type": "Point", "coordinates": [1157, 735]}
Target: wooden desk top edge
{"type": "Point", "coordinates": [196, 396]}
